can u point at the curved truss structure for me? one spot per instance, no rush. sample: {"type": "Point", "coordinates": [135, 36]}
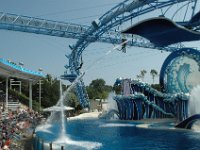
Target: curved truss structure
{"type": "Point", "coordinates": [119, 14]}
{"type": "Point", "coordinates": [98, 31]}
{"type": "Point", "coordinates": [63, 29]}
{"type": "Point", "coordinates": [128, 9]}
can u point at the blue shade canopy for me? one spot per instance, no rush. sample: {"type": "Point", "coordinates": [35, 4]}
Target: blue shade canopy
{"type": "Point", "coordinates": [9, 69]}
{"type": "Point", "coordinates": [195, 18]}
{"type": "Point", "coordinates": [162, 31]}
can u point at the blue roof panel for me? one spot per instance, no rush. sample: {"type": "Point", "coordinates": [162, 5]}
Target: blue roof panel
{"type": "Point", "coordinates": [162, 31]}
{"type": "Point", "coordinates": [20, 68]}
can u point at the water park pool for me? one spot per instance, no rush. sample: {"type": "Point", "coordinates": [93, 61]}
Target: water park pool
{"type": "Point", "coordinates": [121, 135]}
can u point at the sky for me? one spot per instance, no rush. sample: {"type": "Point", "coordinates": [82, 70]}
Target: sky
{"type": "Point", "coordinates": [46, 52]}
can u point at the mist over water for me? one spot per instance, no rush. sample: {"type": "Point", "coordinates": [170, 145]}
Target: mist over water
{"type": "Point", "coordinates": [111, 104]}
{"type": "Point", "coordinates": [58, 116]}
{"type": "Point", "coordinates": [109, 109]}
{"type": "Point", "coordinates": [194, 102]}
{"type": "Point", "coordinates": [63, 139]}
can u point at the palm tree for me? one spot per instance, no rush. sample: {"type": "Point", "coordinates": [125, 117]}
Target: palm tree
{"type": "Point", "coordinates": [138, 77]}
{"type": "Point", "coordinates": [142, 73]}
{"type": "Point", "coordinates": [153, 73]}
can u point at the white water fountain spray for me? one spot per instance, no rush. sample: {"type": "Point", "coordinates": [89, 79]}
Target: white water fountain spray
{"type": "Point", "coordinates": [194, 102]}
{"type": "Point", "coordinates": [194, 106]}
{"type": "Point", "coordinates": [63, 138]}
{"type": "Point", "coordinates": [63, 131]}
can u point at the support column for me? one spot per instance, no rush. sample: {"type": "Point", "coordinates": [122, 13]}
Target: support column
{"type": "Point", "coordinates": [11, 83]}
{"type": "Point", "coordinates": [6, 93]}
{"type": "Point", "coordinates": [30, 94]}
{"type": "Point", "coordinates": [20, 87]}
{"type": "Point", "coordinates": [40, 82]}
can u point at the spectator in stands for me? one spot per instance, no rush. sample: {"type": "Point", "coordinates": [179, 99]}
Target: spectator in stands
{"type": "Point", "coordinates": [13, 124]}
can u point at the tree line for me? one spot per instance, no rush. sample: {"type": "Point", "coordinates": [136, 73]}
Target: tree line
{"type": "Point", "coordinates": [143, 72]}
{"type": "Point", "coordinates": [97, 89]}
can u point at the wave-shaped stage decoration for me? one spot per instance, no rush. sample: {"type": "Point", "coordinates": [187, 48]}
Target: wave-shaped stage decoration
{"type": "Point", "coordinates": [180, 71]}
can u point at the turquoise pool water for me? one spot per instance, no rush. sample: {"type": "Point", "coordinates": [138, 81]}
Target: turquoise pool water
{"type": "Point", "coordinates": [123, 135]}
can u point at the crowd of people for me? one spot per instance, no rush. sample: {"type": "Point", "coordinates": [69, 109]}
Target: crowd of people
{"type": "Point", "coordinates": [15, 126]}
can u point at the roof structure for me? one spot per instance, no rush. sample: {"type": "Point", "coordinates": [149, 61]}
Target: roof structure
{"type": "Point", "coordinates": [195, 18]}
{"type": "Point", "coordinates": [9, 69]}
{"type": "Point", "coordinates": [162, 31]}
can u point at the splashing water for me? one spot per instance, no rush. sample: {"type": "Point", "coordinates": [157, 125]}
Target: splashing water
{"type": "Point", "coordinates": [194, 102]}
{"type": "Point", "coordinates": [63, 131]}
{"type": "Point", "coordinates": [196, 126]}
{"type": "Point", "coordinates": [111, 104]}
{"type": "Point", "coordinates": [63, 140]}
{"type": "Point", "coordinates": [52, 118]}
{"type": "Point", "coordinates": [110, 109]}
{"type": "Point", "coordinates": [194, 106]}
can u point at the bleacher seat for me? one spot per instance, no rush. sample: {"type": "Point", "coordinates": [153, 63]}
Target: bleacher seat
{"type": "Point", "coordinates": [13, 105]}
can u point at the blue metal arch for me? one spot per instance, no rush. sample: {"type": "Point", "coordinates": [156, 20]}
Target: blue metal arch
{"type": "Point", "coordinates": [121, 13]}
{"type": "Point", "coordinates": [167, 69]}
{"type": "Point", "coordinates": [111, 19]}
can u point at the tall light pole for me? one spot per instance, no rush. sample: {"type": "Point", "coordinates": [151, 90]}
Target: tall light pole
{"type": "Point", "coordinates": [6, 93]}
{"type": "Point", "coordinates": [40, 91]}
{"type": "Point", "coordinates": [30, 95]}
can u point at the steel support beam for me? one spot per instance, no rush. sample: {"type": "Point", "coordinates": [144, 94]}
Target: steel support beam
{"type": "Point", "coordinates": [30, 95]}
{"type": "Point", "coordinates": [6, 93]}
{"type": "Point", "coordinates": [117, 15]}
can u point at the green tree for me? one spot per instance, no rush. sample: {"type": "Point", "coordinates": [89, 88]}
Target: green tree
{"type": "Point", "coordinates": [72, 100]}
{"type": "Point", "coordinates": [117, 89]}
{"type": "Point", "coordinates": [49, 78]}
{"type": "Point", "coordinates": [156, 86]}
{"type": "Point", "coordinates": [138, 77]}
{"type": "Point", "coordinates": [117, 86]}
{"type": "Point", "coordinates": [142, 73]}
{"type": "Point", "coordinates": [98, 90]}
{"type": "Point", "coordinates": [153, 73]}
{"type": "Point", "coordinates": [50, 91]}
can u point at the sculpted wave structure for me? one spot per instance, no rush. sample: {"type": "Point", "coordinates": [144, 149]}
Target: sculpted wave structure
{"type": "Point", "coordinates": [146, 102]}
